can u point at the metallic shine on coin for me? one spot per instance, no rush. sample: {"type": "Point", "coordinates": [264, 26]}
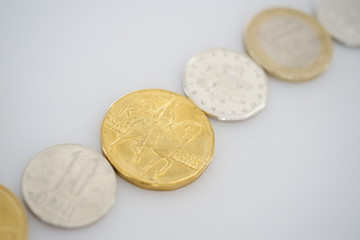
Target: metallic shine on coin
{"type": "Point", "coordinates": [288, 44]}
{"type": "Point", "coordinates": [69, 185]}
{"type": "Point", "coordinates": [13, 224]}
{"type": "Point", "coordinates": [341, 19]}
{"type": "Point", "coordinates": [157, 139]}
{"type": "Point", "coordinates": [225, 84]}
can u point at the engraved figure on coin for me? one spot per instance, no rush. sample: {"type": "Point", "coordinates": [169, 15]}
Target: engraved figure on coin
{"type": "Point", "coordinates": [162, 118]}
{"type": "Point", "coordinates": [228, 81]}
{"type": "Point", "coordinates": [151, 145]}
{"type": "Point", "coordinates": [162, 123]}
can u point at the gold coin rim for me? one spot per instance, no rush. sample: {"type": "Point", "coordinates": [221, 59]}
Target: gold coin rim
{"type": "Point", "coordinates": [277, 70]}
{"type": "Point", "coordinates": [20, 210]}
{"type": "Point", "coordinates": [157, 186]}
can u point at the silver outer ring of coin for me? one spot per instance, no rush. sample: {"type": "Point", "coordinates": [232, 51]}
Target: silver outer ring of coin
{"type": "Point", "coordinates": [225, 84]}
{"type": "Point", "coordinates": [69, 185]}
{"type": "Point", "coordinates": [341, 19]}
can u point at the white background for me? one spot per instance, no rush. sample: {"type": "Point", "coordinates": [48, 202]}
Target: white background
{"type": "Point", "coordinates": [291, 172]}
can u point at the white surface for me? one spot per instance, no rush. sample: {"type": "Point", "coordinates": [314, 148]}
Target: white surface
{"type": "Point", "coordinates": [291, 172]}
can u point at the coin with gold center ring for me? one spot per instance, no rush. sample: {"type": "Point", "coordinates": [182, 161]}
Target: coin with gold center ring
{"type": "Point", "coordinates": [288, 44]}
{"type": "Point", "coordinates": [13, 223]}
{"type": "Point", "coordinates": [157, 139]}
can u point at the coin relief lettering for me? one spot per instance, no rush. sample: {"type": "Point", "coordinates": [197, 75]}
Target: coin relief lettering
{"type": "Point", "coordinates": [185, 158]}
{"type": "Point", "coordinates": [55, 204]}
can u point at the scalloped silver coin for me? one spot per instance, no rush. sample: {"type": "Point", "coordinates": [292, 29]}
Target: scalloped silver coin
{"type": "Point", "coordinates": [225, 84]}
{"type": "Point", "coordinates": [69, 185]}
{"type": "Point", "coordinates": [341, 19]}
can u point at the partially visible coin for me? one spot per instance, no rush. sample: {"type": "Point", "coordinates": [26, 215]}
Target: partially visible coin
{"type": "Point", "coordinates": [13, 225]}
{"type": "Point", "coordinates": [69, 185]}
{"type": "Point", "coordinates": [289, 44]}
{"type": "Point", "coordinates": [157, 139]}
{"type": "Point", "coordinates": [225, 84]}
{"type": "Point", "coordinates": [341, 19]}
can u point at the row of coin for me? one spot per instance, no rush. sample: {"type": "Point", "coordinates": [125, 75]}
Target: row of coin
{"type": "Point", "coordinates": [160, 140]}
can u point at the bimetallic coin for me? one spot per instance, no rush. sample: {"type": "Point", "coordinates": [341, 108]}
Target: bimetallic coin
{"type": "Point", "coordinates": [157, 139]}
{"type": "Point", "coordinates": [13, 225]}
{"type": "Point", "coordinates": [225, 84]}
{"type": "Point", "coordinates": [69, 185]}
{"type": "Point", "coordinates": [341, 19]}
{"type": "Point", "coordinates": [289, 44]}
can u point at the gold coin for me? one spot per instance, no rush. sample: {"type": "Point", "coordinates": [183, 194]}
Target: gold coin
{"type": "Point", "coordinates": [13, 224]}
{"type": "Point", "coordinates": [157, 139]}
{"type": "Point", "coordinates": [288, 44]}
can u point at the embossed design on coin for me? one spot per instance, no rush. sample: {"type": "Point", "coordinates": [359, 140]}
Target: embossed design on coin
{"type": "Point", "coordinates": [289, 44]}
{"type": "Point", "coordinates": [157, 139]}
{"type": "Point", "coordinates": [225, 84]}
{"type": "Point", "coordinates": [341, 19]}
{"type": "Point", "coordinates": [13, 224]}
{"type": "Point", "coordinates": [69, 185]}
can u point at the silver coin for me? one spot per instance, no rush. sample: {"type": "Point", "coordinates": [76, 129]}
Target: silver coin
{"type": "Point", "coordinates": [69, 185]}
{"type": "Point", "coordinates": [289, 41]}
{"type": "Point", "coordinates": [225, 84]}
{"type": "Point", "coordinates": [341, 19]}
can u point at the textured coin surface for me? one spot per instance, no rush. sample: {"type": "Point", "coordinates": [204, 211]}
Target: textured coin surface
{"type": "Point", "coordinates": [69, 185]}
{"type": "Point", "coordinates": [341, 19]}
{"type": "Point", "coordinates": [289, 44]}
{"type": "Point", "coordinates": [13, 225]}
{"type": "Point", "coordinates": [225, 84]}
{"type": "Point", "coordinates": [157, 139]}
